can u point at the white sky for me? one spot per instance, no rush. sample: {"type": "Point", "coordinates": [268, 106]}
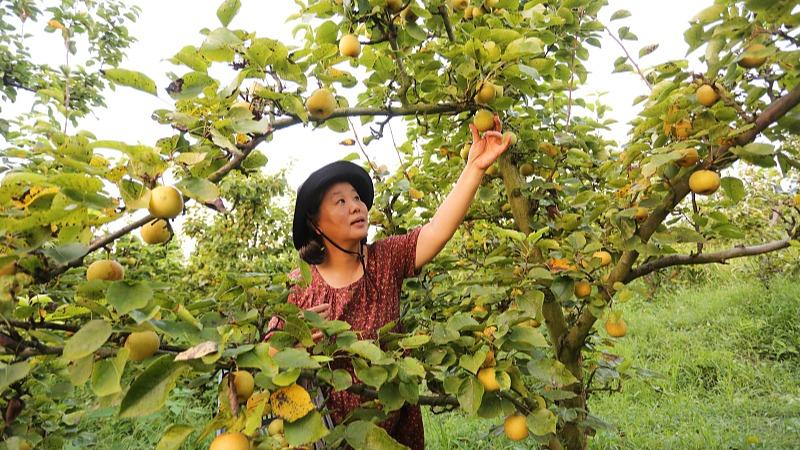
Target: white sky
{"type": "Point", "coordinates": [164, 27]}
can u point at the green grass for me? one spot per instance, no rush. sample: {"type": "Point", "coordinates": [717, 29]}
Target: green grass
{"type": "Point", "coordinates": [729, 356]}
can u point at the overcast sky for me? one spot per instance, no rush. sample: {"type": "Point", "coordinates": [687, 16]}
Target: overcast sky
{"type": "Point", "coordinates": [164, 27]}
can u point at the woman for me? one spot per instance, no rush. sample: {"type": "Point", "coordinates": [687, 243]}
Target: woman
{"type": "Point", "coordinates": [359, 283]}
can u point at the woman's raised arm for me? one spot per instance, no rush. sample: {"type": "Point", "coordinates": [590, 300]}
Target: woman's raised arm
{"type": "Point", "coordinates": [483, 153]}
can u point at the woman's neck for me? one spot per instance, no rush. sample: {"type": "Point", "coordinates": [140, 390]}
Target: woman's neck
{"type": "Point", "coordinates": [336, 259]}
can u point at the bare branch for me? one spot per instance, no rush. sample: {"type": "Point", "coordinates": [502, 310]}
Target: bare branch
{"type": "Point", "coordinates": [630, 58]}
{"type": "Point", "coordinates": [719, 257]}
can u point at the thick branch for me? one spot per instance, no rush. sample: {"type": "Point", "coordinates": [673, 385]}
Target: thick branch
{"type": "Point", "coordinates": [706, 258]}
{"type": "Point", "coordinates": [447, 25]}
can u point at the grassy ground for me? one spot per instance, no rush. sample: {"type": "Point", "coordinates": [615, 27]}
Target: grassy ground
{"type": "Point", "coordinates": [729, 356]}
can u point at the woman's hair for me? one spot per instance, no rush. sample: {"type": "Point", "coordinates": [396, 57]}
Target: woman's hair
{"type": "Point", "coordinates": [313, 252]}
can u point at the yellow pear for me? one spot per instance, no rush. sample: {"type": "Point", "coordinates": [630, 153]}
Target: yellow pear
{"type": "Point", "coordinates": [166, 202]}
{"type": "Point", "coordinates": [105, 269]}
{"type": "Point", "coordinates": [244, 383]}
{"type": "Point", "coordinates": [349, 46]}
{"type": "Point", "coordinates": [683, 128]}
{"type": "Point", "coordinates": [155, 232]}
{"type": "Point", "coordinates": [749, 61]}
{"type": "Point", "coordinates": [583, 289]}
{"type": "Point", "coordinates": [690, 157]}
{"type": "Point", "coordinates": [704, 182]}
{"type": "Point", "coordinates": [142, 345]}
{"type": "Point", "coordinates": [616, 328]}
{"type": "Point", "coordinates": [603, 256]}
{"type": "Point", "coordinates": [487, 377]}
{"type": "Point", "coordinates": [706, 95]}
{"type": "Point", "coordinates": [275, 427]}
{"type": "Point", "coordinates": [230, 441]}
{"type": "Point", "coordinates": [486, 95]}
{"type": "Point", "coordinates": [484, 120]}
{"type": "Point", "coordinates": [516, 427]}
{"type": "Point", "coordinates": [321, 104]}
{"type": "Point", "coordinates": [8, 269]}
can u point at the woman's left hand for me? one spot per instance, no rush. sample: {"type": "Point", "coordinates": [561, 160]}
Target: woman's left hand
{"type": "Point", "coordinates": [487, 148]}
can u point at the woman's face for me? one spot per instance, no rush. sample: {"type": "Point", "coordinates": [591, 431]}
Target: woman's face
{"type": "Point", "coordinates": [343, 215]}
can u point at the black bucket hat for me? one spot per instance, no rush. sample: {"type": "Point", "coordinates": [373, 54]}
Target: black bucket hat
{"type": "Point", "coordinates": [311, 190]}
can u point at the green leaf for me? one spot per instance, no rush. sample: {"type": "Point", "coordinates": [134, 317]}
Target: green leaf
{"type": "Point", "coordinates": [734, 189]}
{"type": "Point", "coordinates": [126, 296]}
{"type": "Point", "coordinates": [470, 394]}
{"type": "Point", "coordinates": [414, 341]}
{"type": "Point", "coordinates": [551, 371]}
{"type": "Point", "coordinates": [295, 358]}
{"type": "Point", "coordinates": [528, 336]}
{"type": "Point", "coordinates": [621, 14]}
{"type": "Point", "coordinates": [199, 189]}
{"type": "Point", "coordinates": [310, 428]}
{"type": "Point", "coordinates": [79, 371]}
{"type": "Point", "coordinates": [542, 422]}
{"type": "Point", "coordinates": [367, 350]}
{"type": "Point", "coordinates": [174, 436]}
{"type": "Point", "coordinates": [190, 57]}
{"type": "Point", "coordinates": [150, 389]}
{"type": "Point", "coordinates": [373, 376]}
{"type": "Point", "coordinates": [10, 374]}
{"type": "Point", "coordinates": [227, 10]}
{"type": "Point", "coordinates": [107, 373]}
{"type": "Point", "coordinates": [473, 362]}
{"type": "Point", "coordinates": [389, 395]}
{"type": "Point", "coordinates": [647, 50]}
{"type": "Point", "coordinates": [131, 78]}
{"type": "Point", "coordinates": [66, 253]}
{"type": "Point", "coordinates": [341, 379]}
{"type": "Point", "coordinates": [710, 14]}
{"type": "Point", "coordinates": [362, 435]}
{"type": "Point", "coordinates": [88, 339]}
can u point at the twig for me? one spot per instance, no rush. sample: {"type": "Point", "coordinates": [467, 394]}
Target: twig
{"type": "Point", "coordinates": [638, 70]}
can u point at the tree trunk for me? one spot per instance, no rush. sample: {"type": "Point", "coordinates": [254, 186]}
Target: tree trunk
{"type": "Point", "coordinates": [572, 435]}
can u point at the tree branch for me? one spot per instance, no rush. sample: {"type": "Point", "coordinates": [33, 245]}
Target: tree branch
{"type": "Point", "coordinates": [628, 55]}
{"type": "Point", "coordinates": [447, 25]}
{"type": "Point", "coordinates": [680, 188]}
{"type": "Point", "coordinates": [719, 257]}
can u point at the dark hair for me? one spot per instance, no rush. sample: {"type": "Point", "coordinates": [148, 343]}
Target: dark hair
{"type": "Point", "coordinates": [313, 252]}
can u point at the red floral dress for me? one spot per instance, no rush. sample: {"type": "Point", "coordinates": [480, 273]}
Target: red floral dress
{"type": "Point", "coordinates": [389, 262]}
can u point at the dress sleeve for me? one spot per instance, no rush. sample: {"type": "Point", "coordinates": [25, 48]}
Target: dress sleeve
{"type": "Point", "coordinates": [400, 252]}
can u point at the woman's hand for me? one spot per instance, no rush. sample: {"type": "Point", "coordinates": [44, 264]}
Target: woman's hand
{"type": "Point", "coordinates": [324, 310]}
{"type": "Point", "coordinates": [487, 148]}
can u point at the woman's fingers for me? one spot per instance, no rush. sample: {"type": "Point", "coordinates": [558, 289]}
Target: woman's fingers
{"type": "Point", "coordinates": [323, 309]}
{"type": "Point", "coordinates": [317, 335]}
{"type": "Point", "coordinates": [498, 126]}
